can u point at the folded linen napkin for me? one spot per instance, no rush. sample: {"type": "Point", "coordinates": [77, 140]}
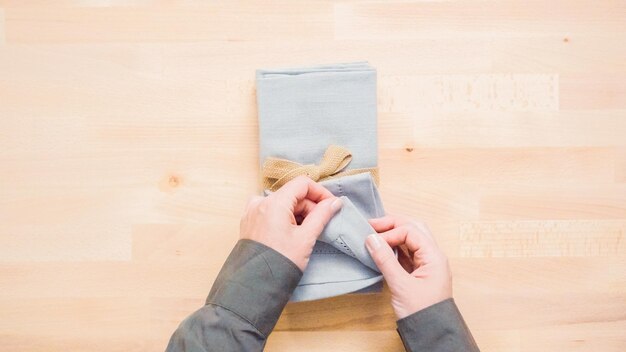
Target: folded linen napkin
{"type": "Point", "coordinates": [302, 111]}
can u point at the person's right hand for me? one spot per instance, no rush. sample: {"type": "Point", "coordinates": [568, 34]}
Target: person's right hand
{"type": "Point", "coordinates": [417, 279]}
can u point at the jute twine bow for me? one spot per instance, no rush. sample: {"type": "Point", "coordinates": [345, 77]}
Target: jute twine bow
{"type": "Point", "coordinates": [276, 172]}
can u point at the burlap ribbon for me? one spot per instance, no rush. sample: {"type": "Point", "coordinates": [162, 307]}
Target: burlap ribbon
{"type": "Point", "coordinates": [276, 172]}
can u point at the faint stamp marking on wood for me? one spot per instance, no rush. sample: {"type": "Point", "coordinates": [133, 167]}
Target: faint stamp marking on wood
{"type": "Point", "coordinates": [553, 238]}
{"type": "Point", "coordinates": [460, 92]}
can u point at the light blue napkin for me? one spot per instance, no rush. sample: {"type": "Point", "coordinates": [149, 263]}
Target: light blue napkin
{"type": "Point", "coordinates": [301, 112]}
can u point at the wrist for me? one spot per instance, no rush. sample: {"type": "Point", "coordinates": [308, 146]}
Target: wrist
{"type": "Point", "coordinates": [416, 305]}
{"type": "Point", "coordinates": [288, 254]}
{"type": "Point", "coordinates": [257, 278]}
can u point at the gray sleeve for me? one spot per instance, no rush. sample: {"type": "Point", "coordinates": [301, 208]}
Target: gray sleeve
{"type": "Point", "coordinates": [437, 328]}
{"type": "Point", "coordinates": [244, 304]}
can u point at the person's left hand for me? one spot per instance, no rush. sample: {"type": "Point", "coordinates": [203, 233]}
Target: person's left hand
{"type": "Point", "coordinates": [290, 219]}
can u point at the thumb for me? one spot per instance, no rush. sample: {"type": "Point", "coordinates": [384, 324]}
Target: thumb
{"type": "Point", "coordinates": [320, 215]}
{"type": "Point", "coordinates": [384, 258]}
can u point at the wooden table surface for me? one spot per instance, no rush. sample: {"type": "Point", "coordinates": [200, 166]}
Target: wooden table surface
{"type": "Point", "coordinates": [128, 148]}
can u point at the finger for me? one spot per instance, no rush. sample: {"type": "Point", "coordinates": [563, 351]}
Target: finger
{"type": "Point", "coordinates": [410, 236]}
{"type": "Point", "coordinates": [301, 188]}
{"type": "Point", "coordinates": [383, 224]}
{"type": "Point", "coordinates": [425, 230]}
{"type": "Point", "coordinates": [385, 259]}
{"type": "Point", "coordinates": [304, 207]}
{"type": "Point", "coordinates": [319, 216]}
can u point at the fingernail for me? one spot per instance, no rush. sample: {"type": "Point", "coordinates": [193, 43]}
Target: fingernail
{"type": "Point", "coordinates": [373, 242]}
{"type": "Point", "coordinates": [336, 204]}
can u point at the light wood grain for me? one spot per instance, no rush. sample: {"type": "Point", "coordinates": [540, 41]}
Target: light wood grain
{"type": "Point", "coordinates": [128, 148]}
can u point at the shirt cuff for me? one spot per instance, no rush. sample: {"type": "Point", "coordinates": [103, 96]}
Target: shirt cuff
{"type": "Point", "coordinates": [439, 327]}
{"type": "Point", "coordinates": [255, 283]}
